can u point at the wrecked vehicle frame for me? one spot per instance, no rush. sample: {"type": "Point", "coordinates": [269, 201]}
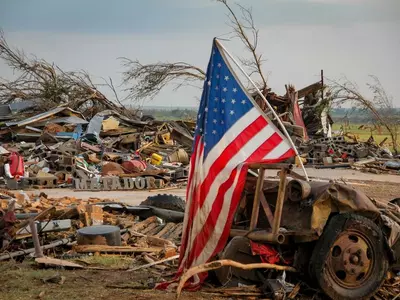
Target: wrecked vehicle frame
{"type": "Point", "coordinates": [335, 234]}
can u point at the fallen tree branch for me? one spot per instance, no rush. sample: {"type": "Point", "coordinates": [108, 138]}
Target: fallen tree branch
{"type": "Point", "coordinates": [225, 263]}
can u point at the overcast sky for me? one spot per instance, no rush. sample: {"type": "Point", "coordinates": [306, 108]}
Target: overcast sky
{"type": "Point", "coordinates": [298, 38]}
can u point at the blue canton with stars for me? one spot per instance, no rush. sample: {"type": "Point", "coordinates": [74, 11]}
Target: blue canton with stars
{"type": "Point", "coordinates": [223, 102]}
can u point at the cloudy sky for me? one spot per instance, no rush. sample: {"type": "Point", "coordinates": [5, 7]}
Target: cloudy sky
{"type": "Point", "coordinates": [355, 38]}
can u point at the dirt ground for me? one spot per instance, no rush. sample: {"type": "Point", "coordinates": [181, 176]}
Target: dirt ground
{"type": "Point", "coordinates": [382, 191]}
{"type": "Point", "coordinates": [22, 281]}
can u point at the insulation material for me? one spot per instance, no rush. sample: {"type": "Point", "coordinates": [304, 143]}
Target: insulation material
{"type": "Point", "coordinates": [110, 124]}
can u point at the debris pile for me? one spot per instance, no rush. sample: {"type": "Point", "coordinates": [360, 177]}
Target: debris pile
{"type": "Point", "coordinates": [390, 289]}
{"type": "Point", "coordinates": [69, 227]}
{"type": "Point", "coordinates": [60, 148]}
{"type": "Point", "coordinates": [339, 152]}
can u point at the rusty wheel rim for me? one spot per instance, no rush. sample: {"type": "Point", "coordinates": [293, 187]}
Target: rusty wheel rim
{"type": "Point", "coordinates": [350, 260]}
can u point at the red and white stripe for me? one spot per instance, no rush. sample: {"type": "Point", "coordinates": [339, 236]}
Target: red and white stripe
{"type": "Point", "coordinates": [215, 184]}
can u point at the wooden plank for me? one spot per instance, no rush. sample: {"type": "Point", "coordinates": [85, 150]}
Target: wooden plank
{"type": "Point", "coordinates": [142, 225]}
{"type": "Point", "coordinates": [175, 235]}
{"type": "Point", "coordinates": [150, 227]}
{"type": "Point", "coordinates": [57, 262]}
{"type": "Point", "coordinates": [166, 228]}
{"type": "Point", "coordinates": [158, 242]}
{"type": "Point", "coordinates": [110, 249]}
{"type": "Point", "coordinates": [256, 202]}
{"type": "Point", "coordinates": [39, 217]}
{"type": "Point", "coordinates": [279, 201]}
{"type": "Point", "coordinates": [153, 264]}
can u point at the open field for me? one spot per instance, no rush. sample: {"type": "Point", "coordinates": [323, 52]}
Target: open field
{"type": "Point", "coordinates": [363, 133]}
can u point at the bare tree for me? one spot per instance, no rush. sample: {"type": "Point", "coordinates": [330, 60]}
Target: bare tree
{"type": "Point", "coordinates": [245, 29]}
{"type": "Point", "coordinates": [380, 108]}
{"type": "Point", "coordinates": [145, 81]}
{"type": "Point", "coordinates": [49, 86]}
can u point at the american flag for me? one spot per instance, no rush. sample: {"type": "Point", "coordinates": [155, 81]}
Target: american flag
{"type": "Point", "coordinates": [231, 132]}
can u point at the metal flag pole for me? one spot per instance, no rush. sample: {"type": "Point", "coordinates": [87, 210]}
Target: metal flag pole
{"type": "Point", "coordinates": [269, 106]}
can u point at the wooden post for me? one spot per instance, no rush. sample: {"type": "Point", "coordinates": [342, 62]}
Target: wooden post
{"type": "Point", "coordinates": [256, 203]}
{"type": "Point", "coordinates": [279, 201]}
{"type": "Point", "coordinates": [35, 237]}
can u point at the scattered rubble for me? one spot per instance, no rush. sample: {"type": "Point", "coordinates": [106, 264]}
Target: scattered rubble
{"type": "Point", "coordinates": [339, 152]}
{"type": "Point", "coordinates": [68, 227]}
{"type": "Point", "coordinates": [59, 148]}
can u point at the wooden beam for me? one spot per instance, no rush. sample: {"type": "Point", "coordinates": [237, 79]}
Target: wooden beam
{"type": "Point", "coordinates": [110, 249]}
{"type": "Point", "coordinates": [279, 201]}
{"type": "Point", "coordinates": [256, 202]}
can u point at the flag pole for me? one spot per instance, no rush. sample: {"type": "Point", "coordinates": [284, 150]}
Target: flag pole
{"type": "Point", "coordinates": [268, 104]}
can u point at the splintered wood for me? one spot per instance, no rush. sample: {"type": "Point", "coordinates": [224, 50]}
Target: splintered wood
{"type": "Point", "coordinates": [149, 241]}
{"type": "Point", "coordinates": [389, 290]}
{"type": "Point", "coordinates": [114, 249]}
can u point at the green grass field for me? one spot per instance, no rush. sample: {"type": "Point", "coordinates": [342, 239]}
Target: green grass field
{"type": "Point", "coordinates": [363, 133]}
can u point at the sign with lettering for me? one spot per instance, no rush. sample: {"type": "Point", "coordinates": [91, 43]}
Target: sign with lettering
{"type": "Point", "coordinates": [107, 183]}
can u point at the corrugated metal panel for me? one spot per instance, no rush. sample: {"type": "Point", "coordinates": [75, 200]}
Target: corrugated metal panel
{"type": "Point", "coordinates": [41, 116]}
{"type": "Point", "coordinates": [67, 120]}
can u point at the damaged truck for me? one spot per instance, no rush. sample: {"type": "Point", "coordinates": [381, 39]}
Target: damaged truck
{"type": "Point", "coordinates": [342, 241]}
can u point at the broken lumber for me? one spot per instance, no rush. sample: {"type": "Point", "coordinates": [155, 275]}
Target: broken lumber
{"type": "Point", "coordinates": [166, 229]}
{"type": "Point", "coordinates": [111, 249]}
{"type": "Point", "coordinates": [53, 262]}
{"type": "Point", "coordinates": [154, 263]}
{"type": "Point", "coordinates": [32, 250]}
{"type": "Point", "coordinates": [141, 225]}
{"type": "Point", "coordinates": [149, 260]}
{"type": "Point", "coordinates": [159, 242]}
{"type": "Point", "coordinates": [150, 227]}
{"type": "Point", "coordinates": [295, 291]}
{"type": "Point", "coordinates": [39, 217]}
{"type": "Point", "coordinates": [175, 232]}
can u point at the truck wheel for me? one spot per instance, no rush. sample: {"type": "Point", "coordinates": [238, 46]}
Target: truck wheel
{"type": "Point", "coordinates": [165, 201]}
{"type": "Point", "coordinates": [349, 260]}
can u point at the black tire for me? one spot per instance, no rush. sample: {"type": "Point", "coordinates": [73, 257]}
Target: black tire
{"type": "Point", "coordinates": [396, 201]}
{"type": "Point", "coordinates": [336, 249]}
{"type": "Point", "coordinates": [165, 201]}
